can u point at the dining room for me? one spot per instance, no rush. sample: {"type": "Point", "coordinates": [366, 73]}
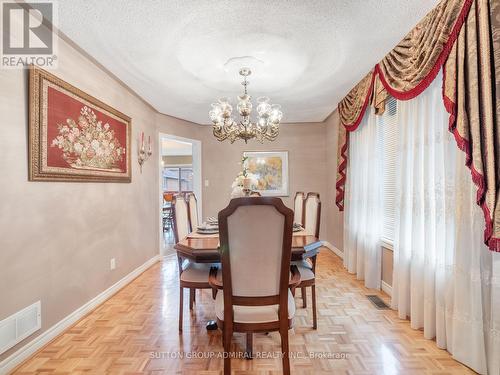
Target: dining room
{"type": "Point", "coordinates": [250, 187]}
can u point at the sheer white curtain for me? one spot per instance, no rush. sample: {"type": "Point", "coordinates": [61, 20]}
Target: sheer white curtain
{"type": "Point", "coordinates": [363, 209]}
{"type": "Point", "coordinates": [445, 280]}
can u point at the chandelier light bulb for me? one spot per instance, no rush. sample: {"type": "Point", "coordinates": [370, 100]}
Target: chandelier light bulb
{"type": "Point", "coordinates": [276, 114]}
{"type": "Point", "coordinates": [226, 107]}
{"type": "Point", "coordinates": [263, 107]}
{"type": "Point", "coordinates": [262, 122]}
{"type": "Point", "coordinates": [216, 113]}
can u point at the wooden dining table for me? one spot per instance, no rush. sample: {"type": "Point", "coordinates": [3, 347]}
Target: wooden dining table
{"type": "Point", "coordinates": [202, 248]}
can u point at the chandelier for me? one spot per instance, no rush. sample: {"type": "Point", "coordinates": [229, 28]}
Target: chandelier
{"type": "Point", "coordinates": [265, 128]}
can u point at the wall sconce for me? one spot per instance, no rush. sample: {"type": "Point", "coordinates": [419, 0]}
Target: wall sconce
{"type": "Point", "coordinates": [143, 154]}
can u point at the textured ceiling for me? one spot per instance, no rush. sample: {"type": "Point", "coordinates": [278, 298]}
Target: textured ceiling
{"type": "Point", "coordinates": [180, 55]}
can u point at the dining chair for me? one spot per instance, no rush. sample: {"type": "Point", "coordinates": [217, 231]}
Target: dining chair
{"type": "Point", "coordinates": [255, 248]}
{"type": "Point", "coordinates": [307, 267]}
{"type": "Point", "coordinates": [167, 210]}
{"type": "Point", "coordinates": [191, 275]}
{"type": "Point", "coordinates": [255, 194]}
{"type": "Point", "coordinates": [192, 211]}
{"type": "Point", "coordinates": [298, 208]}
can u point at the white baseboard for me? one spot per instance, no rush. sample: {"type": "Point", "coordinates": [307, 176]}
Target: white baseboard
{"type": "Point", "coordinates": [386, 288]}
{"type": "Point", "coordinates": [334, 249]}
{"type": "Point", "coordinates": [37, 343]}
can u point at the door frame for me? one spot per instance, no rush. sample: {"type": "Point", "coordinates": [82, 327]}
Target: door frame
{"type": "Point", "coordinates": [197, 179]}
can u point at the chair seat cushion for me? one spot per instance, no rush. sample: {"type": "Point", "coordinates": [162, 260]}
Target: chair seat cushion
{"type": "Point", "coordinates": [196, 272]}
{"type": "Point", "coordinates": [305, 269]}
{"type": "Point", "coordinates": [253, 314]}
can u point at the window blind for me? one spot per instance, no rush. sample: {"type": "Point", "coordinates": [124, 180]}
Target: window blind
{"type": "Point", "coordinates": [388, 143]}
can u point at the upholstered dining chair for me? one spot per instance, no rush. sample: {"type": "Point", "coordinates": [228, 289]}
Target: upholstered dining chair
{"type": "Point", "coordinates": [255, 248]}
{"type": "Point", "coordinates": [191, 275]}
{"type": "Point", "coordinates": [192, 211]}
{"type": "Point", "coordinates": [298, 208]}
{"type": "Point", "coordinates": [307, 267]}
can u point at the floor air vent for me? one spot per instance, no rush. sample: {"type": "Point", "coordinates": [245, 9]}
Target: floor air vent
{"type": "Point", "coordinates": [377, 302]}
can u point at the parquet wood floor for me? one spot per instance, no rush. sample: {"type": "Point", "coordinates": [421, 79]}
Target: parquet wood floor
{"type": "Point", "coordinates": [135, 332]}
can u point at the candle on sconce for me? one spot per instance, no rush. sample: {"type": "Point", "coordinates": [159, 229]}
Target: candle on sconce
{"type": "Point", "coordinates": [144, 154]}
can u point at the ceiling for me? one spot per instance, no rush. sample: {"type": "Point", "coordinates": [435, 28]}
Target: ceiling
{"type": "Point", "coordinates": [170, 147]}
{"type": "Point", "coordinates": [181, 55]}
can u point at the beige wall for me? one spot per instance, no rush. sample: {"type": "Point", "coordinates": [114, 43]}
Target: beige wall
{"type": "Point", "coordinates": [335, 218]}
{"type": "Point", "coordinates": [305, 144]}
{"type": "Point", "coordinates": [57, 239]}
{"type": "Point", "coordinates": [387, 265]}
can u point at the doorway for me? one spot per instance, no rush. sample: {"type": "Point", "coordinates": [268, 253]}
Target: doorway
{"type": "Point", "coordinates": [180, 173]}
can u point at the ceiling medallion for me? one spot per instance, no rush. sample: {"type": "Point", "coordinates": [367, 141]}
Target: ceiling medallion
{"type": "Point", "coordinates": [265, 128]}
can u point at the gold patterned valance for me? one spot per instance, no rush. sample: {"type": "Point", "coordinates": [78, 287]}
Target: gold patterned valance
{"type": "Point", "coordinates": [463, 38]}
{"type": "Point", "coordinates": [414, 63]}
{"type": "Point", "coordinates": [352, 107]}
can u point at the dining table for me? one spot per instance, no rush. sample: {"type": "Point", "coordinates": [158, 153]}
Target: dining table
{"type": "Point", "coordinates": [204, 248]}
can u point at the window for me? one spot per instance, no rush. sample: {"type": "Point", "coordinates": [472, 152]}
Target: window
{"type": "Point", "coordinates": [186, 178]}
{"type": "Point", "coordinates": [388, 142]}
{"type": "Point", "coordinates": [178, 179]}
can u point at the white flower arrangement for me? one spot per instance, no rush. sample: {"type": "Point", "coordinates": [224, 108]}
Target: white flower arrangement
{"type": "Point", "coordinates": [239, 181]}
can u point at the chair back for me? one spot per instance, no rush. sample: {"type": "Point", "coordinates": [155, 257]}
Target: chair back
{"type": "Point", "coordinates": [255, 246]}
{"type": "Point", "coordinates": [255, 194]}
{"type": "Point", "coordinates": [298, 208]}
{"type": "Point", "coordinates": [312, 214]}
{"type": "Point", "coordinates": [192, 211]}
{"type": "Point", "coordinates": [180, 217]}
{"type": "Point", "coordinates": [167, 197]}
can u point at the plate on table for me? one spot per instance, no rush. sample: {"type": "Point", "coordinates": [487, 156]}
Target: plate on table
{"type": "Point", "coordinates": [297, 227]}
{"type": "Point", "coordinates": [207, 229]}
{"type": "Point", "coordinates": [212, 220]}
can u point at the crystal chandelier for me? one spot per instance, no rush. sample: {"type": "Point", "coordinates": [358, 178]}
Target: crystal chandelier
{"type": "Point", "coordinates": [265, 128]}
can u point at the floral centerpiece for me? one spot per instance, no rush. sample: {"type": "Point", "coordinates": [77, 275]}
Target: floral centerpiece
{"type": "Point", "coordinates": [244, 181]}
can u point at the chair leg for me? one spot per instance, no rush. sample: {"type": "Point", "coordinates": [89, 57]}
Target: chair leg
{"type": "Point", "coordinates": [315, 317]}
{"type": "Point", "coordinates": [227, 351]}
{"type": "Point", "coordinates": [181, 302]}
{"type": "Point", "coordinates": [285, 351]}
{"type": "Point", "coordinates": [249, 351]}
{"type": "Point", "coordinates": [304, 297]}
{"type": "Point", "coordinates": [191, 298]}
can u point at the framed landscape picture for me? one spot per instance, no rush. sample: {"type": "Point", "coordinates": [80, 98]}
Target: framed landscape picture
{"type": "Point", "coordinates": [270, 169]}
{"type": "Point", "coordinates": [73, 136]}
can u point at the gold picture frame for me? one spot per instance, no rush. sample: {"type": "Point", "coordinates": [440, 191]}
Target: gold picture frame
{"type": "Point", "coordinates": [59, 117]}
{"type": "Point", "coordinates": [270, 169]}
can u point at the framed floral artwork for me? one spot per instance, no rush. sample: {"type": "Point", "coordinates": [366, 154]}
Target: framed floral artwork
{"type": "Point", "coordinates": [269, 169]}
{"type": "Point", "coordinates": [73, 136]}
